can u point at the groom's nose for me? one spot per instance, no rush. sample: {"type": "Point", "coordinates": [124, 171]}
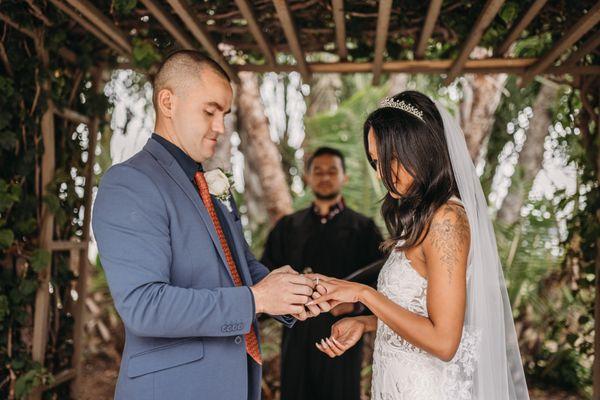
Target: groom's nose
{"type": "Point", "coordinates": [218, 125]}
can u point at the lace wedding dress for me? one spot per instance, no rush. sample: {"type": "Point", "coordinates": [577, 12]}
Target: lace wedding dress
{"type": "Point", "coordinates": [402, 371]}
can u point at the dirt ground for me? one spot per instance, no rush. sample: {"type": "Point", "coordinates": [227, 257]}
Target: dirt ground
{"type": "Point", "coordinates": [100, 375]}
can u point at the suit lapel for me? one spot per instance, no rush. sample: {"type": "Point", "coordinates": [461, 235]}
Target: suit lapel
{"type": "Point", "coordinates": [176, 173]}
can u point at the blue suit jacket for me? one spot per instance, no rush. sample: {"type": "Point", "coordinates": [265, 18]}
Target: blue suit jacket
{"type": "Point", "coordinates": [184, 318]}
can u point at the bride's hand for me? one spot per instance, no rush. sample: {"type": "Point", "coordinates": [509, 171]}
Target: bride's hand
{"type": "Point", "coordinates": [344, 334]}
{"type": "Point", "coordinates": [336, 291]}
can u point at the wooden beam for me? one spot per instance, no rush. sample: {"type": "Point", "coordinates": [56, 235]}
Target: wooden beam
{"type": "Point", "coordinates": [490, 9]}
{"type": "Point", "coordinates": [515, 66]}
{"type": "Point", "coordinates": [89, 27]}
{"type": "Point", "coordinates": [67, 245]}
{"type": "Point", "coordinates": [432, 15]}
{"type": "Point", "coordinates": [383, 24]}
{"type": "Point", "coordinates": [519, 27]}
{"type": "Point", "coordinates": [248, 13]}
{"type": "Point", "coordinates": [340, 28]}
{"type": "Point", "coordinates": [291, 34]}
{"type": "Point", "coordinates": [42, 296]}
{"type": "Point", "coordinates": [165, 19]}
{"type": "Point", "coordinates": [580, 28]}
{"type": "Point", "coordinates": [182, 9]}
{"type": "Point", "coordinates": [590, 45]}
{"type": "Point", "coordinates": [101, 21]}
{"type": "Point", "coordinates": [575, 71]}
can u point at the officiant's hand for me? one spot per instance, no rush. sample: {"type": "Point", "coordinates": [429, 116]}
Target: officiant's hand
{"type": "Point", "coordinates": [344, 334]}
{"type": "Point", "coordinates": [283, 291]}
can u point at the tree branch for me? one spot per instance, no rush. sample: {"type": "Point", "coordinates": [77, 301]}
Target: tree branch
{"type": "Point", "coordinates": [37, 12]}
{"type": "Point", "coordinates": [5, 60]}
{"type": "Point", "coordinates": [18, 27]}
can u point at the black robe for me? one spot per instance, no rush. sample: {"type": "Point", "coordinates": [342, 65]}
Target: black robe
{"type": "Point", "coordinates": [336, 248]}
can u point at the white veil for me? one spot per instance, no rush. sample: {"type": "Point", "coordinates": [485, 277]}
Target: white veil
{"type": "Point", "coordinates": [498, 373]}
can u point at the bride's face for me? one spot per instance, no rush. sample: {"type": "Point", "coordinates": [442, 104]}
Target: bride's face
{"type": "Point", "coordinates": [402, 179]}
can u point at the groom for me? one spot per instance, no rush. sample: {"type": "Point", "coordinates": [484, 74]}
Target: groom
{"type": "Point", "coordinates": [180, 272]}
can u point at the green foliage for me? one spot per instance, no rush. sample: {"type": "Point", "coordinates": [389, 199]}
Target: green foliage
{"type": "Point", "coordinates": [24, 78]}
{"type": "Point", "coordinates": [40, 260]}
{"type": "Point", "coordinates": [29, 380]}
{"type": "Point", "coordinates": [145, 53]}
{"type": "Point", "coordinates": [124, 6]}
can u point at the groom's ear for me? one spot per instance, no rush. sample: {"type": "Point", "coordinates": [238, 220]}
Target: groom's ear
{"type": "Point", "coordinates": [165, 102]}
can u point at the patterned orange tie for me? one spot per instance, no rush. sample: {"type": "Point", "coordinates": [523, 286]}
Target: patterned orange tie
{"type": "Point", "coordinates": [251, 339]}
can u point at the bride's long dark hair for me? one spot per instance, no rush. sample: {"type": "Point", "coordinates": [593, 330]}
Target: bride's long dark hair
{"type": "Point", "coordinates": [421, 148]}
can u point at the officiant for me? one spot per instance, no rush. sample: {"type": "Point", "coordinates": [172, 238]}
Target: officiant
{"type": "Point", "coordinates": [331, 239]}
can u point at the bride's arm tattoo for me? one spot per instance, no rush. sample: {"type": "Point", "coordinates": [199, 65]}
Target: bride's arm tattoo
{"type": "Point", "coordinates": [448, 233]}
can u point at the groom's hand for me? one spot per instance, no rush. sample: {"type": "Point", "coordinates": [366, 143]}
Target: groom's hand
{"type": "Point", "coordinates": [282, 292]}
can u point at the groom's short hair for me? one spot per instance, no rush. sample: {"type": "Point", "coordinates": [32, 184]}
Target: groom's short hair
{"type": "Point", "coordinates": [180, 66]}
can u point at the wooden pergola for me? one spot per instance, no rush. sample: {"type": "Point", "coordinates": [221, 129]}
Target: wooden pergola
{"type": "Point", "coordinates": [373, 36]}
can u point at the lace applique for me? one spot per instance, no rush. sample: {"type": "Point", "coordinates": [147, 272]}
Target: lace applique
{"type": "Point", "coordinates": [402, 371]}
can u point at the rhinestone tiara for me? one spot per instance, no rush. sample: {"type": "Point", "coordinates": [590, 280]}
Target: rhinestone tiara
{"type": "Point", "coordinates": [402, 105]}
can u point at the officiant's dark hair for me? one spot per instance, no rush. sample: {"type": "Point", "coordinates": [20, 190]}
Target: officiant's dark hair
{"type": "Point", "coordinates": [321, 151]}
{"type": "Point", "coordinates": [420, 147]}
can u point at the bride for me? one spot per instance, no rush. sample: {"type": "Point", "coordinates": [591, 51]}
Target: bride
{"type": "Point", "coordinates": [441, 311]}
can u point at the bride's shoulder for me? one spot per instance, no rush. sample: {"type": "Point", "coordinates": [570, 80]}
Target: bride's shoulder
{"type": "Point", "coordinates": [449, 223]}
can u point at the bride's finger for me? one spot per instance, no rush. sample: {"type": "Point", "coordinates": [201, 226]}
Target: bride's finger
{"type": "Point", "coordinates": [320, 347]}
{"type": "Point", "coordinates": [327, 349]}
{"type": "Point", "coordinates": [320, 300]}
{"type": "Point", "coordinates": [327, 286]}
{"type": "Point", "coordinates": [340, 345]}
{"type": "Point", "coordinates": [336, 350]}
{"type": "Point", "coordinates": [320, 277]}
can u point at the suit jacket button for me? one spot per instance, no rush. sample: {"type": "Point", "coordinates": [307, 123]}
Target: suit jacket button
{"type": "Point", "coordinates": [238, 339]}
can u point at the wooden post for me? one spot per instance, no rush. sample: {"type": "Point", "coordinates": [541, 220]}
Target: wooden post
{"type": "Point", "coordinates": [79, 307]}
{"type": "Point", "coordinates": [42, 296]}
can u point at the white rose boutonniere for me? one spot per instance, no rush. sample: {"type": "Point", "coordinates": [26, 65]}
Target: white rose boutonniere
{"type": "Point", "coordinates": [219, 185]}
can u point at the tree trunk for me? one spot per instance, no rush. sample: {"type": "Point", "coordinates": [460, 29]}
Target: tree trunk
{"type": "Point", "coordinates": [398, 83]}
{"type": "Point", "coordinates": [323, 93]}
{"type": "Point", "coordinates": [481, 97]}
{"type": "Point", "coordinates": [531, 156]}
{"type": "Point", "coordinates": [265, 177]}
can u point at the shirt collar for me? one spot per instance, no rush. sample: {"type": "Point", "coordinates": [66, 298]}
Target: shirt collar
{"type": "Point", "coordinates": [187, 163]}
{"type": "Point", "coordinates": [334, 210]}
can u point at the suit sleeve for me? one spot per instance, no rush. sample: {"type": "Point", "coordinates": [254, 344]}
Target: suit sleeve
{"type": "Point", "coordinates": [258, 271]}
{"type": "Point", "coordinates": [132, 229]}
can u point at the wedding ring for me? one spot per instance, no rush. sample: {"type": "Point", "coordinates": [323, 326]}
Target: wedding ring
{"type": "Point", "coordinates": [317, 281]}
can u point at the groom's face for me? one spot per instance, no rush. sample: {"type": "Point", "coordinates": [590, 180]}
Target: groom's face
{"type": "Point", "coordinates": [199, 112]}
